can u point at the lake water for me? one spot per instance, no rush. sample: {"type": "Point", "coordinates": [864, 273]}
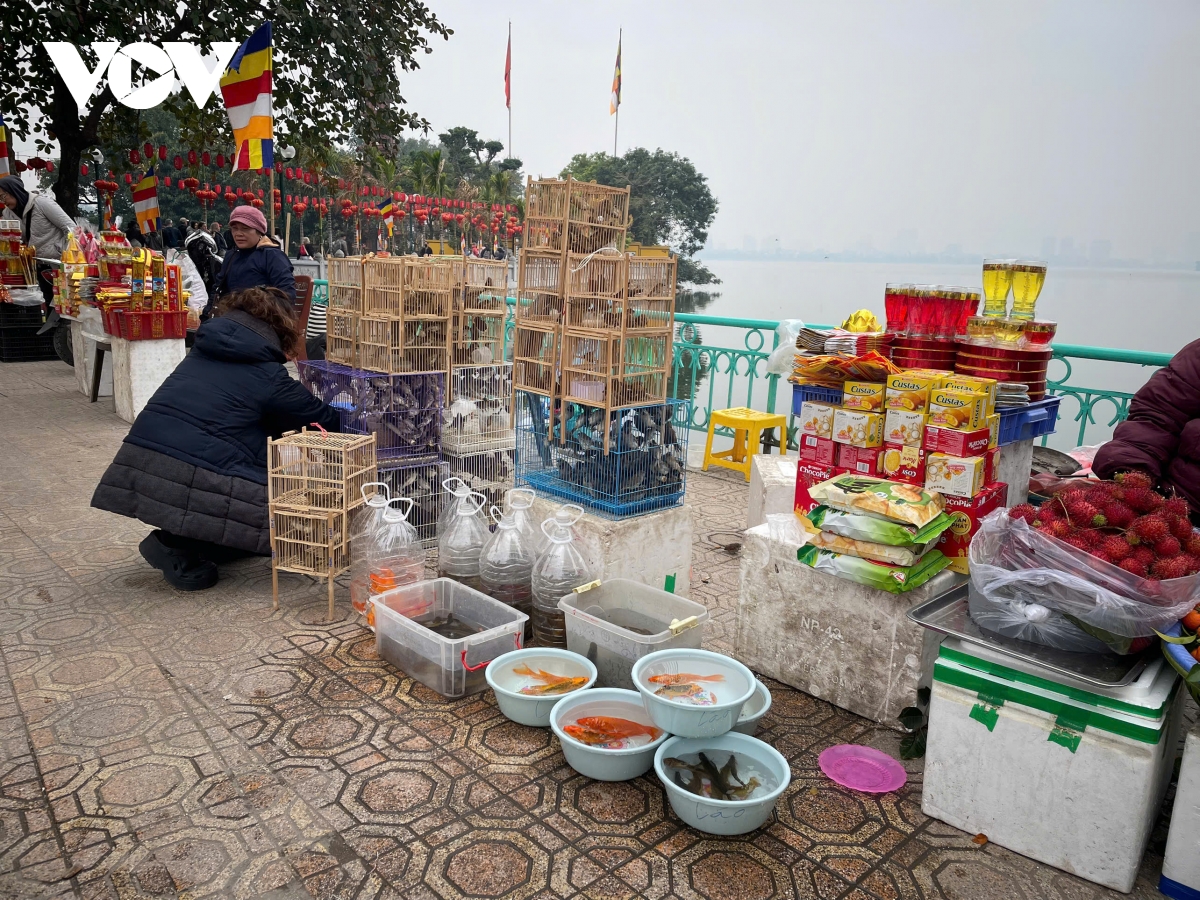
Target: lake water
{"type": "Point", "coordinates": [1129, 309]}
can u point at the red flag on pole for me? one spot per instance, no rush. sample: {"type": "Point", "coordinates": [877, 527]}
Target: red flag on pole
{"type": "Point", "coordinates": [507, 73]}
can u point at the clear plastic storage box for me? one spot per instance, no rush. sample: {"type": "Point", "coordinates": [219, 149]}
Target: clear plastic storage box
{"type": "Point", "coordinates": [444, 634]}
{"type": "Point", "coordinates": [618, 622]}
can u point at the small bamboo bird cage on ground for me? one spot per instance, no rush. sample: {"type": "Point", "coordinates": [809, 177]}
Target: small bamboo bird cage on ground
{"type": "Point", "coordinates": [314, 481]}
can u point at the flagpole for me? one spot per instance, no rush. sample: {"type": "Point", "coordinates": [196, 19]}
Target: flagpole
{"type": "Point", "coordinates": [510, 147]}
{"type": "Point", "coordinates": [271, 202]}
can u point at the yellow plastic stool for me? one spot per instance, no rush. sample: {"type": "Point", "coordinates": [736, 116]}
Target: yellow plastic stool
{"type": "Point", "coordinates": [748, 426]}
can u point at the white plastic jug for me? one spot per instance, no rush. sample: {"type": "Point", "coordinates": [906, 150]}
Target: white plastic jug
{"type": "Point", "coordinates": [461, 543]}
{"type": "Point", "coordinates": [557, 572]}
{"type": "Point", "coordinates": [365, 522]}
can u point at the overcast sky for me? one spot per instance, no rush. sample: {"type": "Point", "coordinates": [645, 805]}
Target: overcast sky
{"type": "Point", "coordinates": [988, 125]}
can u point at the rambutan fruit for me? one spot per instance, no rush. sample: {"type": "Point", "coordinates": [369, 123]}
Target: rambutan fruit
{"type": "Point", "coordinates": [1181, 529]}
{"type": "Point", "coordinates": [1025, 511]}
{"type": "Point", "coordinates": [1144, 555]}
{"type": "Point", "coordinates": [1115, 547]}
{"type": "Point", "coordinates": [1177, 506]}
{"type": "Point", "coordinates": [1166, 547]}
{"type": "Point", "coordinates": [1193, 563]}
{"type": "Point", "coordinates": [1170, 567]}
{"type": "Point", "coordinates": [1078, 541]}
{"type": "Point", "coordinates": [1143, 500]}
{"type": "Point", "coordinates": [1081, 513]}
{"type": "Point", "coordinates": [1134, 479]}
{"type": "Point", "coordinates": [1151, 529]}
{"type": "Point", "coordinates": [1118, 514]}
{"type": "Point", "coordinates": [1133, 566]}
{"type": "Point", "coordinates": [1058, 528]}
{"type": "Point", "coordinates": [1192, 544]}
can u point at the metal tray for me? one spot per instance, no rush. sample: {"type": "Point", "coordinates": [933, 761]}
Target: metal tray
{"type": "Point", "coordinates": [947, 614]}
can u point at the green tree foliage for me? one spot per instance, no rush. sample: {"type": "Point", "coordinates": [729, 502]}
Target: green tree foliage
{"type": "Point", "coordinates": [336, 75]}
{"type": "Point", "coordinates": [670, 201]}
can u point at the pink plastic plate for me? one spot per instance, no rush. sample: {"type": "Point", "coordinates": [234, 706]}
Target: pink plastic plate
{"type": "Point", "coordinates": [862, 768]}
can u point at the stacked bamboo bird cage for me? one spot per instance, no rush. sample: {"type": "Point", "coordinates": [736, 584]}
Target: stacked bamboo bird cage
{"type": "Point", "coordinates": [314, 483]}
{"type": "Point", "coordinates": [407, 315]}
{"type": "Point", "coordinates": [345, 310]}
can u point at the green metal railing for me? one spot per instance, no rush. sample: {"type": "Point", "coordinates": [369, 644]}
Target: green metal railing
{"type": "Point", "coordinates": [713, 376]}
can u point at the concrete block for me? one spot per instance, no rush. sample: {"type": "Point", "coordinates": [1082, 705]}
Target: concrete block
{"type": "Point", "coordinates": [834, 639]}
{"type": "Point", "coordinates": [83, 347]}
{"type": "Point", "coordinates": [645, 548]}
{"type": "Point", "coordinates": [1015, 462]}
{"type": "Point", "coordinates": [139, 367]}
{"type": "Point", "coordinates": [772, 487]}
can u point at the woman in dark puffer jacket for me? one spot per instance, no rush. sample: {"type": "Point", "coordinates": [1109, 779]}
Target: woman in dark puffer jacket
{"type": "Point", "coordinates": [194, 465]}
{"type": "Point", "coordinates": [1162, 434]}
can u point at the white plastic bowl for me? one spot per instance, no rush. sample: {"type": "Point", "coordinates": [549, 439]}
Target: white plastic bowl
{"type": "Point", "coordinates": [724, 817]}
{"type": "Point", "coordinates": [685, 719]}
{"type": "Point", "coordinates": [754, 709]}
{"type": "Point", "coordinates": [596, 762]}
{"type": "Point", "coordinates": [523, 708]}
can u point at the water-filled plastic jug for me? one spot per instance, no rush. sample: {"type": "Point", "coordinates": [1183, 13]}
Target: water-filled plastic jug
{"type": "Point", "coordinates": [506, 565]}
{"type": "Point", "coordinates": [457, 489]}
{"type": "Point", "coordinates": [462, 541]}
{"type": "Point", "coordinates": [394, 554]}
{"type": "Point", "coordinates": [558, 571]}
{"type": "Point", "coordinates": [366, 520]}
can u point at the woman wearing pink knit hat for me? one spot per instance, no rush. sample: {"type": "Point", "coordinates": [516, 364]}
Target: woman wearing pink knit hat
{"type": "Point", "coordinates": [255, 260]}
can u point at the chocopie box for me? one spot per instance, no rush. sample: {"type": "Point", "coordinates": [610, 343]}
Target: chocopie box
{"type": "Point", "coordinates": [955, 442]}
{"type": "Point", "coordinates": [861, 460]}
{"type": "Point", "coordinates": [819, 450]}
{"type": "Point", "coordinates": [810, 475]}
{"type": "Point", "coordinates": [967, 514]}
{"type": "Point", "coordinates": [902, 462]}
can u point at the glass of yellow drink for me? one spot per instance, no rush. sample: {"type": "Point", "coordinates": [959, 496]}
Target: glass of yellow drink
{"type": "Point", "coordinates": [1028, 276]}
{"type": "Point", "coordinates": [997, 279]}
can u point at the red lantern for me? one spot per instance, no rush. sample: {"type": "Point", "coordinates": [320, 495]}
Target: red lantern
{"type": "Point", "coordinates": [220, 160]}
{"type": "Point", "coordinates": [83, 169]}
{"type": "Point", "coordinates": [134, 157]}
{"type": "Point", "coordinates": [289, 198]}
{"type": "Point", "coordinates": [399, 213]}
{"type": "Point", "coordinates": [307, 177]}
{"type": "Point", "coordinates": [167, 181]}
{"type": "Point", "coordinates": [278, 208]}
{"type": "Point", "coordinates": [191, 157]}
{"type": "Point", "coordinates": [459, 218]}
{"type": "Point", "coordinates": [239, 192]}
{"type": "Point", "coordinates": [289, 172]}
{"type": "Point", "coordinates": [258, 204]}
{"type": "Point", "coordinates": [128, 178]}
{"type": "Point", "coordinates": [148, 149]}
{"type": "Point", "coordinates": [206, 158]}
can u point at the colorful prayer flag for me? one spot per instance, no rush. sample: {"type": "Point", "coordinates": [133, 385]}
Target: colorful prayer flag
{"type": "Point", "coordinates": [386, 213]}
{"type": "Point", "coordinates": [615, 101]}
{"type": "Point", "coordinates": [3, 148]}
{"type": "Point", "coordinates": [246, 89]}
{"type": "Point", "coordinates": [145, 202]}
{"type": "Point", "coordinates": [508, 75]}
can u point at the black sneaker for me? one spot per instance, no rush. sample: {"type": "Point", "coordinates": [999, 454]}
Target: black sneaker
{"type": "Point", "coordinates": [181, 570]}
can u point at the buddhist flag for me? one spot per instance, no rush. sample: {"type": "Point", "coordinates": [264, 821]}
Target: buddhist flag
{"type": "Point", "coordinates": [508, 72]}
{"type": "Point", "coordinates": [246, 88]}
{"type": "Point", "coordinates": [616, 89]}
{"type": "Point", "coordinates": [387, 213]}
{"type": "Point", "coordinates": [3, 148]}
{"type": "Point", "coordinates": [145, 202]}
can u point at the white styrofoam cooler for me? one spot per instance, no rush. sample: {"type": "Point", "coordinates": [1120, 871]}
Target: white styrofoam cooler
{"type": "Point", "coordinates": [772, 487]}
{"type": "Point", "coordinates": [1181, 865]}
{"type": "Point", "coordinates": [1056, 769]}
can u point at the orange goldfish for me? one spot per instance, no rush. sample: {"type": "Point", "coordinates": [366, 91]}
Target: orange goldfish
{"type": "Point", "coordinates": [600, 730]}
{"type": "Point", "coordinates": [683, 679]}
{"type": "Point", "coordinates": [551, 683]}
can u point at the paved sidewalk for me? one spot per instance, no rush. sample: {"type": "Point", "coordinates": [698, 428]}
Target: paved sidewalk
{"type": "Point", "coordinates": [161, 744]}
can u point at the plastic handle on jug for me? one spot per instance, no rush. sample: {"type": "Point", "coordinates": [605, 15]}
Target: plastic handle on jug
{"type": "Point", "coordinates": [476, 668]}
{"type": "Point", "coordinates": [403, 515]}
{"type": "Point", "coordinates": [479, 505]}
{"type": "Point", "coordinates": [526, 494]}
{"type": "Point", "coordinates": [678, 625]}
{"type": "Point", "coordinates": [497, 513]}
{"type": "Point", "coordinates": [454, 491]}
{"type": "Point", "coordinates": [563, 535]}
{"type": "Point", "coordinates": [573, 507]}
{"type": "Point", "coordinates": [379, 484]}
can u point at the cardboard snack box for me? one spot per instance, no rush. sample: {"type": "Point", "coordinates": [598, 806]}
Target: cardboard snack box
{"type": "Point", "coordinates": [864, 395]}
{"type": "Point", "coordinates": [819, 450]}
{"type": "Point", "coordinates": [957, 408]}
{"type": "Point", "coordinates": [809, 475]}
{"type": "Point", "coordinates": [955, 441]}
{"type": "Point", "coordinates": [860, 429]}
{"type": "Point", "coordinates": [966, 514]}
{"type": "Point", "coordinates": [863, 460]}
{"type": "Point", "coordinates": [904, 463]}
{"type": "Point", "coordinates": [816, 419]}
{"type": "Point", "coordinates": [901, 426]}
{"type": "Point", "coordinates": [954, 476]}
{"type": "Point", "coordinates": [910, 390]}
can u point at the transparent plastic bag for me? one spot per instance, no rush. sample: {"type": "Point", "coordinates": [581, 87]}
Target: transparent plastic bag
{"type": "Point", "coordinates": [781, 358]}
{"type": "Point", "coordinates": [1028, 585]}
{"type": "Point", "coordinates": [506, 565]}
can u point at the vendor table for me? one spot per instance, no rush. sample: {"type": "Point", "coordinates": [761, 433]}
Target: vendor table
{"type": "Point", "coordinates": [86, 334]}
{"type": "Point", "coordinates": [839, 641]}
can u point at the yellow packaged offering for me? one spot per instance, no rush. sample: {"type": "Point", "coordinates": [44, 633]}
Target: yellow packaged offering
{"type": "Point", "coordinates": [956, 408]}
{"type": "Point", "coordinates": [985, 386]}
{"type": "Point", "coordinates": [900, 426]}
{"type": "Point", "coordinates": [955, 476]}
{"type": "Point", "coordinates": [858, 429]}
{"type": "Point", "coordinates": [864, 395]}
{"type": "Point", "coordinates": [910, 390]}
{"type": "Point", "coordinates": [816, 419]}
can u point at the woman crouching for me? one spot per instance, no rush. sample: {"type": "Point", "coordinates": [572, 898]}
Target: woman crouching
{"type": "Point", "coordinates": [194, 464]}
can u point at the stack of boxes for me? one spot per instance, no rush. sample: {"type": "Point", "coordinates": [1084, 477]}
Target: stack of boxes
{"type": "Point", "coordinates": [925, 427]}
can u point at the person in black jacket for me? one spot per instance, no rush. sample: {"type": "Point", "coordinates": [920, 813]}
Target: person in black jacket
{"type": "Point", "coordinates": [256, 260]}
{"type": "Point", "coordinates": [171, 238]}
{"type": "Point", "coordinates": [194, 464]}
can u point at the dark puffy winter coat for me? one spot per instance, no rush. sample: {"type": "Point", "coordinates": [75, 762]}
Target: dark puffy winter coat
{"type": "Point", "coordinates": [262, 266]}
{"type": "Point", "coordinates": [1162, 434]}
{"type": "Point", "coordinates": [195, 462]}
